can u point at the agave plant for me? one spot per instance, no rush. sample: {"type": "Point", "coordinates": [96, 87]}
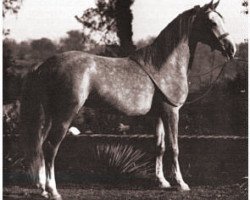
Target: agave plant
{"type": "Point", "coordinates": [120, 159]}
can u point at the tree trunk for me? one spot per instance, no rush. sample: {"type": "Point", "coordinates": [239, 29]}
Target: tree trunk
{"type": "Point", "coordinates": [124, 17]}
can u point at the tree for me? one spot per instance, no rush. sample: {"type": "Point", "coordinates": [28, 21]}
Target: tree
{"type": "Point", "coordinates": [24, 50]}
{"type": "Point", "coordinates": [8, 61]}
{"type": "Point", "coordinates": [112, 22]}
{"type": "Point", "coordinates": [74, 41]}
{"type": "Point", "coordinates": [42, 48]}
{"type": "Point", "coordinates": [99, 21]}
{"type": "Point", "coordinates": [124, 17]}
{"type": "Point", "coordinates": [144, 42]}
{"type": "Point", "coordinates": [243, 51]}
{"type": "Point", "coordinates": [12, 7]}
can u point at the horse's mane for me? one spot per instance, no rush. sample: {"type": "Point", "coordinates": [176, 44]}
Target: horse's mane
{"type": "Point", "coordinates": [169, 38]}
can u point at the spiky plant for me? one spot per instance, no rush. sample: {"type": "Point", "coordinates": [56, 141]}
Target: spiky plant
{"type": "Point", "coordinates": [120, 160]}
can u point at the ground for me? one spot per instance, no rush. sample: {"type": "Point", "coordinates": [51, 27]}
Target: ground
{"type": "Point", "coordinates": [214, 169]}
{"type": "Point", "coordinates": [99, 191]}
{"type": "Point", "coordinates": [96, 192]}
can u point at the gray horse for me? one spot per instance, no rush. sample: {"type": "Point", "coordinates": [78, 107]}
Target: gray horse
{"type": "Point", "coordinates": [154, 77]}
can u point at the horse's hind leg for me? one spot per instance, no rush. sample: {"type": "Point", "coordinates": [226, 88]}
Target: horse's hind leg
{"type": "Point", "coordinates": [60, 124]}
{"type": "Point", "coordinates": [41, 182]}
{"type": "Point", "coordinates": [160, 137]}
{"type": "Point", "coordinates": [42, 169]}
{"type": "Point", "coordinates": [170, 120]}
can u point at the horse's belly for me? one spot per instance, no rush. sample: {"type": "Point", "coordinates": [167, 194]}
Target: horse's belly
{"type": "Point", "coordinates": [128, 101]}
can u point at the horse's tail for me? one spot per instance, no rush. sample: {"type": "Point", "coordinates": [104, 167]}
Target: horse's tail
{"type": "Point", "coordinates": [31, 121]}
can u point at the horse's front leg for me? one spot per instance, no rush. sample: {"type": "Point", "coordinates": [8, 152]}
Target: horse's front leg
{"type": "Point", "coordinates": [170, 118]}
{"type": "Point", "coordinates": [160, 142]}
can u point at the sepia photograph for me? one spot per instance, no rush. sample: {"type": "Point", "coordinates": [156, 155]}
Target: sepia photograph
{"type": "Point", "coordinates": [125, 99]}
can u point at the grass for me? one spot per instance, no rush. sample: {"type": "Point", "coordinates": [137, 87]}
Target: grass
{"type": "Point", "coordinates": [89, 191]}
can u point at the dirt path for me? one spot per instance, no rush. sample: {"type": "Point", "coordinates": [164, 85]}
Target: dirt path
{"type": "Point", "coordinates": [104, 192]}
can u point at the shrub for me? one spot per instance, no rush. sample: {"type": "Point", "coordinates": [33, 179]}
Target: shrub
{"type": "Point", "coordinates": [11, 118]}
{"type": "Point", "coordinates": [121, 160]}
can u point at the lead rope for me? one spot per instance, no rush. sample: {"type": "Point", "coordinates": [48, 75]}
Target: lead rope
{"type": "Point", "coordinates": [212, 85]}
{"type": "Point", "coordinates": [209, 89]}
{"type": "Point", "coordinates": [197, 99]}
{"type": "Point", "coordinates": [215, 81]}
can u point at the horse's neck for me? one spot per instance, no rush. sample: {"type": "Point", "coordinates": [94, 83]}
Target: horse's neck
{"type": "Point", "coordinates": [179, 57]}
{"type": "Point", "coordinates": [178, 47]}
{"type": "Point", "coordinates": [172, 46]}
{"type": "Point", "coordinates": [174, 62]}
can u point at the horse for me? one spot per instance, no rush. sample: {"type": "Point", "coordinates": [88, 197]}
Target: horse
{"type": "Point", "coordinates": [153, 77]}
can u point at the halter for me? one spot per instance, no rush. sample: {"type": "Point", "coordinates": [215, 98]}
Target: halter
{"type": "Point", "coordinates": [221, 37]}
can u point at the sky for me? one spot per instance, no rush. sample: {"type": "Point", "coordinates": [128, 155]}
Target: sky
{"type": "Point", "coordinates": [53, 18]}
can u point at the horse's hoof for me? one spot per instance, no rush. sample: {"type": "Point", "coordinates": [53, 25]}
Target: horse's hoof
{"type": "Point", "coordinates": [164, 184]}
{"type": "Point", "coordinates": [45, 194]}
{"type": "Point", "coordinates": [56, 197]}
{"type": "Point", "coordinates": [184, 187]}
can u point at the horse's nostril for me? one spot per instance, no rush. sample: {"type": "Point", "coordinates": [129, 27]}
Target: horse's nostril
{"type": "Point", "coordinates": [229, 47]}
{"type": "Point", "coordinates": [232, 50]}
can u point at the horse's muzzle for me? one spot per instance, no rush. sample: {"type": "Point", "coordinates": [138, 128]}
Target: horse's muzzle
{"type": "Point", "coordinates": [228, 48]}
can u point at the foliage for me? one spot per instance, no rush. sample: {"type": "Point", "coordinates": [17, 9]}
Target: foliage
{"type": "Point", "coordinates": [43, 48]}
{"type": "Point", "coordinates": [74, 41]}
{"type": "Point", "coordinates": [12, 7]}
{"type": "Point", "coordinates": [11, 117]}
{"type": "Point", "coordinates": [118, 160]}
{"type": "Point", "coordinates": [100, 21]}
{"type": "Point", "coordinates": [144, 42]}
{"type": "Point", "coordinates": [24, 51]}
{"type": "Point", "coordinates": [243, 51]}
{"type": "Point", "coordinates": [224, 109]}
{"type": "Point", "coordinates": [8, 61]}
{"type": "Point", "coordinates": [245, 5]}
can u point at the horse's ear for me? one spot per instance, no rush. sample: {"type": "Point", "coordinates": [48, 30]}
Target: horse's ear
{"type": "Point", "coordinates": [207, 6]}
{"type": "Point", "coordinates": [211, 5]}
{"type": "Point", "coordinates": [214, 6]}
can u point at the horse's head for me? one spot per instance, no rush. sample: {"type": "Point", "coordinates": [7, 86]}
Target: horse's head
{"type": "Point", "coordinates": [209, 28]}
